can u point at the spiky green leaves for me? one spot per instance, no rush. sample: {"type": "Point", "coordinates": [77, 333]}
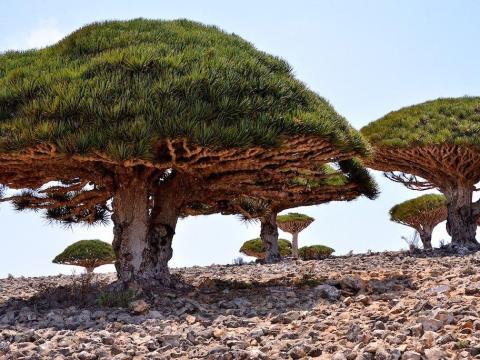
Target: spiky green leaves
{"type": "Point", "coordinates": [297, 217]}
{"type": "Point", "coordinates": [86, 253]}
{"type": "Point", "coordinates": [441, 121]}
{"type": "Point", "coordinates": [120, 87]}
{"type": "Point", "coordinates": [417, 206]}
{"type": "Point", "coordinates": [256, 249]}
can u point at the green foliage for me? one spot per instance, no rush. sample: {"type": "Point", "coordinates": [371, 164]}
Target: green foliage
{"type": "Point", "coordinates": [120, 87]}
{"type": "Point", "coordinates": [315, 252]}
{"type": "Point", "coordinates": [448, 120]}
{"type": "Point", "coordinates": [416, 206]}
{"type": "Point", "coordinates": [86, 251]}
{"type": "Point", "coordinates": [294, 217]}
{"type": "Point", "coordinates": [356, 173]}
{"type": "Point", "coordinates": [116, 299]}
{"type": "Point", "coordinates": [255, 246]}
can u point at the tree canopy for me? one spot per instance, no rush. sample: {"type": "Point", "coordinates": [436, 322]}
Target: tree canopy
{"type": "Point", "coordinates": [315, 252]}
{"type": "Point", "coordinates": [294, 217]}
{"type": "Point", "coordinates": [417, 206]}
{"type": "Point", "coordinates": [256, 248]}
{"type": "Point", "coordinates": [120, 87]}
{"type": "Point", "coordinates": [454, 121]}
{"type": "Point", "coordinates": [87, 253]}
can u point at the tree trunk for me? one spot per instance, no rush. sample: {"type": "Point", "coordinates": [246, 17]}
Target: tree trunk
{"type": "Point", "coordinates": [143, 231]}
{"type": "Point", "coordinates": [461, 223]}
{"type": "Point", "coordinates": [295, 245]}
{"type": "Point", "coordinates": [89, 269]}
{"type": "Point", "coordinates": [426, 237]}
{"type": "Point", "coordinates": [269, 236]}
{"type": "Point", "coordinates": [158, 251]}
{"type": "Point", "coordinates": [130, 227]}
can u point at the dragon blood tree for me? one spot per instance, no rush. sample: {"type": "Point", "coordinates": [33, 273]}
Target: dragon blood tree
{"type": "Point", "coordinates": [87, 253]}
{"type": "Point", "coordinates": [294, 223]}
{"type": "Point", "coordinates": [323, 184]}
{"type": "Point", "coordinates": [256, 248]}
{"type": "Point", "coordinates": [435, 144]}
{"type": "Point", "coordinates": [423, 214]}
{"type": "Point", "coordinates": [141, 119]}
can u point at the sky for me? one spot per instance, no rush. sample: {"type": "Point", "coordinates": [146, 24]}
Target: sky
{"type": "Point", "coordinates": [366, 57]}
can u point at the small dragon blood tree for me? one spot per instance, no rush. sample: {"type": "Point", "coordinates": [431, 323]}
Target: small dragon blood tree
{"type": "Point", "coordinates": [435, 144]}
{"type": "Point", "coordinates": [293, 223]}
{"type": "Point", "coordinates": [315, 252]}
{"type": "Point", "coordinates": [423, 214]}
{"type": "Point", "coordinates": [87, 253]}
{"type": "Point", "coordinates": [142, 119]}
{"type": "Point", "coordinates": [256, 248]}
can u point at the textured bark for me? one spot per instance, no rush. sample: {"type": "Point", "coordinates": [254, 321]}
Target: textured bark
{"type": "Point", "coordinates": [269, 236]}
{"type": "Point", "coordinates": [143, 231]}
{"type": "Point", "coordinates": [461, 222]}
{"type": "Point", "coordinates": [295, 245]}
{"type": "Point", "coordinates": [130, 227]}
{"type": "Point", "coordinates": [158, 250]}
{"type": "Point", "coordinates": [426, 237]}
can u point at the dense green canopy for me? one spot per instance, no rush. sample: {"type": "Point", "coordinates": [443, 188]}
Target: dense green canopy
{"type": "Point", "coordinates": [119, 87]}
{"type": "Point", "coordinates": [417, 206]}
{"type": "Point", "coordinates": [86, 251]}
{"type": "Point", "coordinates": [255, 247]}
{"type": "Point", "coordinates": [315, 252]}
{"type": "Point", "coordinates": [441, 121]}
{"type": "Point", "coordinates": [294, 217]}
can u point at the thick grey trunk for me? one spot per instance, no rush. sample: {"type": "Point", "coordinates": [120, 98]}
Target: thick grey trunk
{"type": "Point", "coordinates": [295, 245]}
{"type": "Point", "coordinates": [461, 223]}
{"type": "Point", "coordinates": [269, 236]}
{"type": "Point", "coordinates": [130, 226]}
{"type": "Point", "coordinates": [143, 237]}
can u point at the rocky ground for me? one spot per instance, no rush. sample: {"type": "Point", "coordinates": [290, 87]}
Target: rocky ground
{"type": "Point", "coordinates": [380, 306]}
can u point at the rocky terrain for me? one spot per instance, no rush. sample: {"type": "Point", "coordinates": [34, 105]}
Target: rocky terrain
{"type": "Point", "coordinates": [379, 306]}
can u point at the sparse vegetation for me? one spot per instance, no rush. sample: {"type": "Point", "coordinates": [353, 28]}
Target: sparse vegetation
{"type": "Point", "coordinates": [119, 299]}
{"type": "Point", "coordinates": [413, 241]}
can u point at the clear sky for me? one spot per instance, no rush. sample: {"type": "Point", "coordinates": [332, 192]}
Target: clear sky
{"type": "Point", "coordinates": [366, 57]}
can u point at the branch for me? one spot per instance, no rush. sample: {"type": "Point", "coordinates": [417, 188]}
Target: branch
{"type": "Point", "coordinates": [409, 181]}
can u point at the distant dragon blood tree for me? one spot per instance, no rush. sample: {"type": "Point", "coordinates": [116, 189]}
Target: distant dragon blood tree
{"type": "Point", "coordinates": [315, 252]}
{"type": "Point", "coordinates": [423, 214]}
{"type": "Point", "coordinates": [294, 223]}
{"type": "Point", "coordinates": [143, 119]}
{"type": "Point", "coordinates": [435, 144]}
{"type": "Point", "coordinates": [87, 253]}
{"type": "Point", "coordinates": [256, 248]}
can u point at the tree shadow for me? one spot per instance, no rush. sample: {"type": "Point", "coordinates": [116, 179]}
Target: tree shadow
{"type": "Point", "coordinates": [217, 300]}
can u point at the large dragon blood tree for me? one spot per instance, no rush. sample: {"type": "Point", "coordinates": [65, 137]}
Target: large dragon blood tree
{"type": "Point", "coordinates": [346, 181]}
{"type": "Point", "coordinates": [423, 214]}
{"type": "Point", "coordinates": [139, 119]}
{"type": "Point", "coordinates": [435, 144]}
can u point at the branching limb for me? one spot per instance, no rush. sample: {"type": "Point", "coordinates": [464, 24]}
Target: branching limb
{"type": "Point", "coordinates": [411, 182]}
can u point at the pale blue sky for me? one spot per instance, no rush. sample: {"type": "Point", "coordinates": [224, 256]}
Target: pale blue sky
{"type": "Point", "coordinates": [366, 57]}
